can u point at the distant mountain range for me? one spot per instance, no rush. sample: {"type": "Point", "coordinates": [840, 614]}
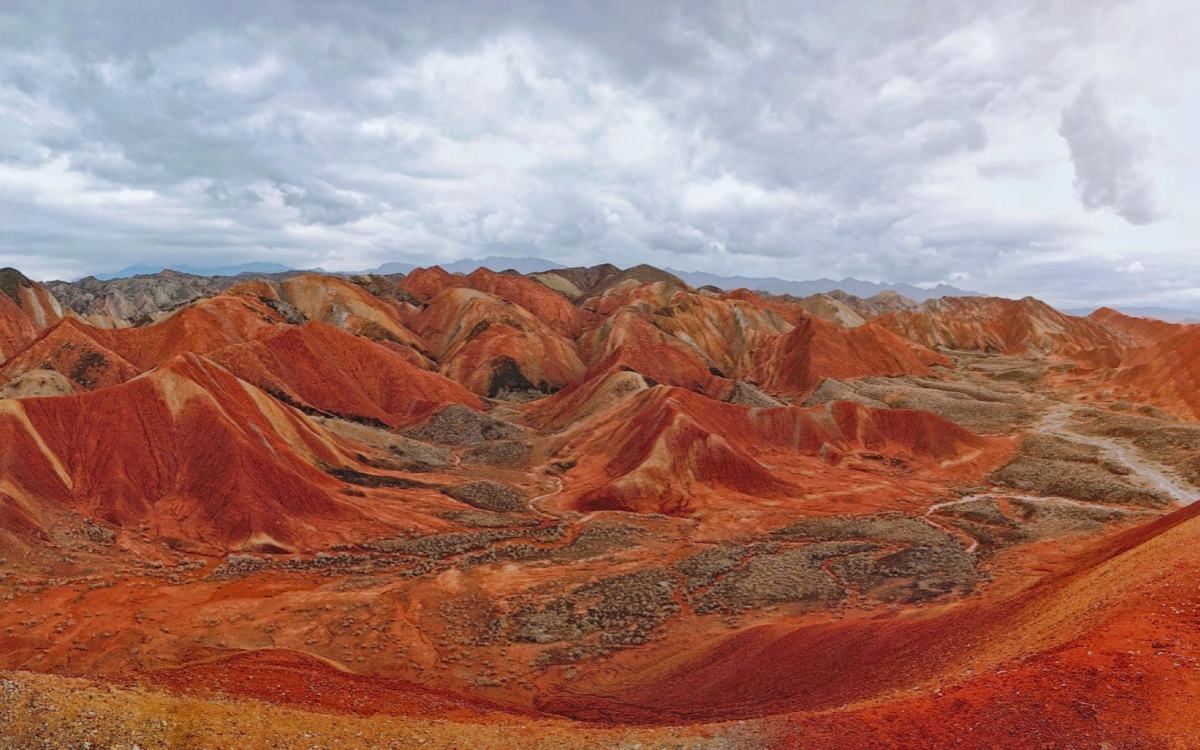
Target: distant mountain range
{"type": "Point", "coordinates": [857, 287]}
{"type": "Point", "coordinates": [146, 269]}
{"type": "Point", "coordinates": [467, 265]}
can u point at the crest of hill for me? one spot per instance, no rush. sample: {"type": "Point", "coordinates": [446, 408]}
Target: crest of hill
{"type": "Point", "coordinates": [877, 304]}
{"type": "Point", "coordinates": [145, 298]}
{"type": "Point", "coordinates": [213, 460]}
{"type": "Point", "coordinates": [545, 304]}
{"type": "Point", "coordinates": [92, 357]}
{"type": "Point", "coordinates": [638, 275]}
{"type": "Point", "coordinates": [832, 310]}
{"type": "Point", "coordinates": [586, 278]}
{"type": "Point", "coordinates": [201, 327]}
{"type": "Point", "coordinates": [1141, 331]}
{"type": "Point", "coordinates": [726, 328]}
{"type": "Point", "coordinates": [549, 307]}
{"type": "Point", "coordinates": [998, 325]}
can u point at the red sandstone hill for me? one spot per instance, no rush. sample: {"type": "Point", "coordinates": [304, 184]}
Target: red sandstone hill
{"type": "Point", "coordinates": [16, 329]}
{"type": "Point", "coordinates": [549, 307]}
{"type": "Point", "coordinates": [422, 284]}
{"type": "Point", "coordinates": [604, 384]}
{"type": "Point", "coordinates": [670, 450]}
{"type": "Point", "coordinates": [728, 329]}
{"type": "Point", "coordinates": [74, 349]}
{"type": "Point", "coordinates": [994, 324]}
{"type": "Point", "coordinates": [189, 451]}
{"type": "Point", "coordinates": [492, 345]}
{"type": "Point", "coordinates": [629, 340]}
{"type": "Point", "coordinates": [1141, 331]}
{"type": "Point", "coordinates": [202, 327]}
{"type": "Point", "coordinates": [338, 302]}
{"type": "Point", "coordinates": [92, 357]}
{"type": "Point", "coordinates": [1165, 372]}
{"type": "Point", "coordinates": [796, 362]}
{"type": "Point", "coordinates": [545, 304]}
{"type": "Point", "coordinates": [370, 382]}
{"type": "Point", "coordinates": [500, 359]}
{"type": "Point", "coordinates": [26, 308]}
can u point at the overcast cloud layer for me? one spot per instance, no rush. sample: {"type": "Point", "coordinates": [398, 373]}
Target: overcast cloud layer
{"type": "Point", "coordinates": [1015, 148]}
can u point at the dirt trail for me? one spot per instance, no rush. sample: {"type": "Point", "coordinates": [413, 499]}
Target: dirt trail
{"type": "Point", "coordinates": [1056, 422]}
{"type": "Point", "coordinates": [537, 508]}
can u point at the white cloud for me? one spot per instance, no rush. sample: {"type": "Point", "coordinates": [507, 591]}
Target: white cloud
{"type": "Point", "coordinates": [906, 141]}
{"type": "Point", "coordinates": [1111, 169]}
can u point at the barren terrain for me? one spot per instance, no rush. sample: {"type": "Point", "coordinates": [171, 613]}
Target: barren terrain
{"type": "Point", "coordinates": [590, 507]}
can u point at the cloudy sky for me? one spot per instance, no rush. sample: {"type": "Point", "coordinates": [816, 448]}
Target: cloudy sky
{"type": "Point", "coordinates": [1011, 147]}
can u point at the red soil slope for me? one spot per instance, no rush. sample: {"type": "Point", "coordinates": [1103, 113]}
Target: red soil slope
{"type": "Point", "coordinates": [188, 450]}
{"type": "Point", "coordinates": [16, 329]}
{"type": "Point", "coordinates": [796, 362]}
{"type": "Point", "coordinates": [26, 308]}
{"type": "Point", "coordinates": [1102, 655]}
{"type": "Point", "coordinates": [1165, 372]}
{"type": "Point", "coordinates": [628, 340]}
{"type": "Point", "coordinates": [370, 382]}
{"type": "Point", "coordinates": [71, 348]}
{"type": "Point", "coordinates": [297, 679]}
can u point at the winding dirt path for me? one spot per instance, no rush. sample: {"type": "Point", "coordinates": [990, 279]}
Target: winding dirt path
{"type": "Point", "coordinates": [534, 503]}
{"type": "Point", "coordinates": [1057, 422]}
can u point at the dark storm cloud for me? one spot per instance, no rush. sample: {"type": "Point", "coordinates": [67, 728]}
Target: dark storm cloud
{"type": "Point", "coordinates": [774, 138]}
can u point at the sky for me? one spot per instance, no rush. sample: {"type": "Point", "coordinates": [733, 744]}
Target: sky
{"type": "Point", "coordinates": [1012, 148]}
